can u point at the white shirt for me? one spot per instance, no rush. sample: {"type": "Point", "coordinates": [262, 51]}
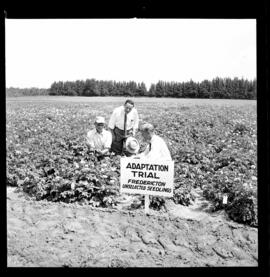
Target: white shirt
{"type": "Point", "coordinates": [99, 141]}
{"type": "Point", "coordinates": [118, 116]}
{"type": "Point", "coordinates": [159, 150]}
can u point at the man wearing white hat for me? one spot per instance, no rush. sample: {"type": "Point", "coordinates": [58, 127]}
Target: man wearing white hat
{"type": "Point", "coordinates": [132, 146]}
{"type": "Point", "coordinates": [99, 139]}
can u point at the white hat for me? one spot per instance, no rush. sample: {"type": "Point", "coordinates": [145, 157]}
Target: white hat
{"type": "Point", "coordinates": [100, 119]}
{"type": "Point", "coordinates": [132, 145]}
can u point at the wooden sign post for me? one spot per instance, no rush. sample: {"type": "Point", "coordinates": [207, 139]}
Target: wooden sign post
{"type": "Point", "coordinates": [146, 203]}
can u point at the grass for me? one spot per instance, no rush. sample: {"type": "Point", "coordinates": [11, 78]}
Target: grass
{"type": "Point", "coordinates": [109, 99]}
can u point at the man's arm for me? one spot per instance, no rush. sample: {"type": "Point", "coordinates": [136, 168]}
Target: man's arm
{"type": "Point", "coordinates": [90, 142]}
{"type": "Point", "coordinates": [165, 152]}
{"type": "Point", "coordinates": [107, 145]}
{"type": "Point", "coordinates": [112, 133]}
{"type": "Point", "coordinates": [136, 122]}
{"type": "Point", "coordinates": [112, 120]}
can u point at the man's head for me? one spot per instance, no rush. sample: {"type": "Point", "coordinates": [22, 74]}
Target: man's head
{"type": "Point", "coordinates": [147, 131]}
{"type": "Point", "coordinates": [99, 123]}
{"type": "Point", "coordinates": [132, 145]}
{"type": "Point", "coordinates": [129, 104]}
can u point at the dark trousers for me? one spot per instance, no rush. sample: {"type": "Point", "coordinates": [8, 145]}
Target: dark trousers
{"type": "Point", "coordinates": [119, 140]}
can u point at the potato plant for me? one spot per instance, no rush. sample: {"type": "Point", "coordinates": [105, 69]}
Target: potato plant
{"type": "Point", "coordinates": [214, 147]}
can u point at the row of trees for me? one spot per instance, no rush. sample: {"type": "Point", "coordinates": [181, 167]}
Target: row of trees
{"type": "Point", "coordinates": [14, 92]}
{"type": "Point", "coordinates": [92, 87]}
{"type": "Point", "coordinates": [217, 88]}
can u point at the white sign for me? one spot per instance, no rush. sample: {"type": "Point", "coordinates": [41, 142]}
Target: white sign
{"type": "Point", "coordinates": [143, 176]}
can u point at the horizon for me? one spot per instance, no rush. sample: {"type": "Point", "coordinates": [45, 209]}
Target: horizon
{"type": "Point", "coordinates": [250, 80]}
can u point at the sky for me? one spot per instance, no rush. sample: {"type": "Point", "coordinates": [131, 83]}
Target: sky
{"type": "Point", "coordinates": [41, 51]}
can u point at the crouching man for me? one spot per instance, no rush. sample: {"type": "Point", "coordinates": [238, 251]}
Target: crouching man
{"type": "Point", "coordinates": [156, 148]}
{"type": "Point", "coordinates": [99, 140]}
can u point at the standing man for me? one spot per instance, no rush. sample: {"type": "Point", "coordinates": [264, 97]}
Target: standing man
{"type": "Point", "coordinates": [99, 140]}
{"type": "Point", "coordinates": [123, 123]}
{"type": "Point", "coordinates": [156, 148]}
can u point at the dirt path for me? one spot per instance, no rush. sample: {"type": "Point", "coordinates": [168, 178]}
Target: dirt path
{"type": "Point", "coordinates": [56, 235]}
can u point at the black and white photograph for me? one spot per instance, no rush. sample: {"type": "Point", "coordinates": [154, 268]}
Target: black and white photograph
{"type": "Point", "coordinates": [131, 143]}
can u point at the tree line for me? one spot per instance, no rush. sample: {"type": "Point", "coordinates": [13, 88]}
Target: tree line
{"type": "Point", "coordinates": [235, 88]}
{"type": "Point", "coordinates": [217, 88]}
{"type": "Point", "coordinates": [14, 92]}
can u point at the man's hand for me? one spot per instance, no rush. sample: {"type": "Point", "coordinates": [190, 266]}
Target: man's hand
{"type": "Point", "coordinates": [102, 152]}
{"type": "Point", "coordinates": [98, 152]}
{"type": "Point", "coordinates": [89, 145]}
{"type": "Point", "coordinates": [90, 148]}
{"type": "Point", "coordinates": [130, 133]}
{"type": "Point", "coordinates": [134, 131]}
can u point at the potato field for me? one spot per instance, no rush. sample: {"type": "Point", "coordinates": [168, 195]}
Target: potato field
{"type": "Point", "coordinates": [212, 142]}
